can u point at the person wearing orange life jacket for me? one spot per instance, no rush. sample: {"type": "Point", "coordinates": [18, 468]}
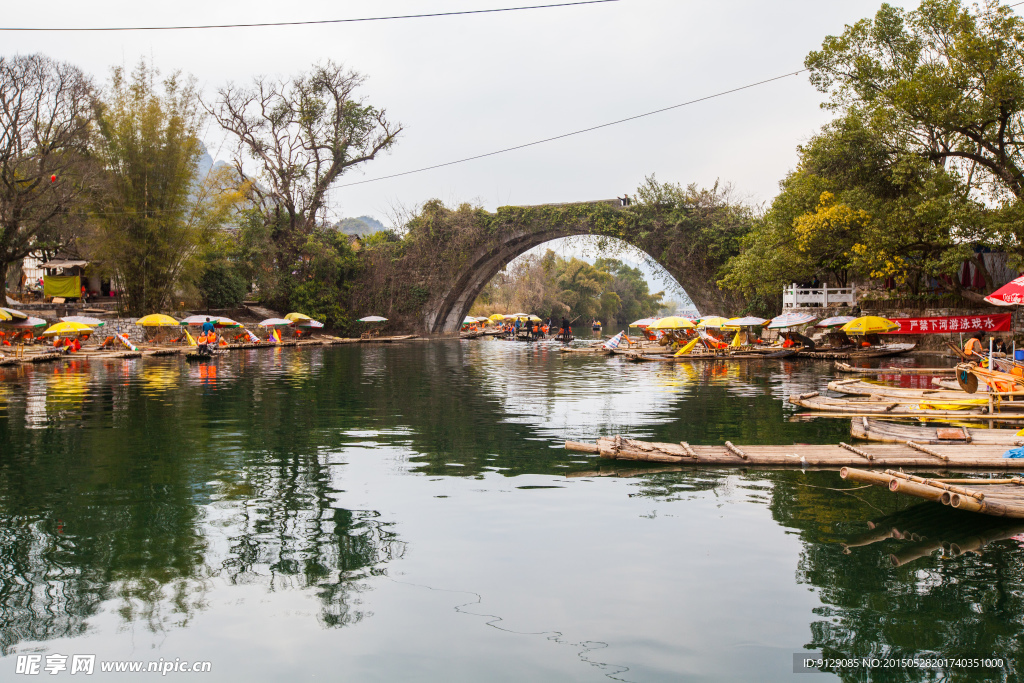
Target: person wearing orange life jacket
{"type": "Point", "coordinates": [974, 346]}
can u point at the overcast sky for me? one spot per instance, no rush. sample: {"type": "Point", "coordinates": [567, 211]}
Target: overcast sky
{"type": "Point", "coordinates": [472, 84]}
{"type": "Point", "coordinates": [468, 85]}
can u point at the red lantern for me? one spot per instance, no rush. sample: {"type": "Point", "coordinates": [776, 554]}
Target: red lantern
{"type": "Point", "coordinates": [53, 178]}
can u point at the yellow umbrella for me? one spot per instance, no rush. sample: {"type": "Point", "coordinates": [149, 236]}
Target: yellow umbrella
{"type": "Point", "coordinates": [157, 320]}
{"type": "Point", "coordinates": [870, 324]}
{"type": "Point", "coordinates": [497, 317]}
{"type": "Point", "coordinates": [673, 322]}
{"type": "Point", "coordinates": [17, 315]}
{"type": "Point", "coordinates": [66, 329]}
{"type": "Point", "coordinates": [297, 316]}
{"type": "Point", "coordinates": [535, 319]}
{"type": "Point", "coordinates": [5, 316]}
{"type": "Point", "coordinates": [713, 321]}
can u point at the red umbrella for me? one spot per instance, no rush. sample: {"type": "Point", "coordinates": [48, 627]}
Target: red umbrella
{"type": "Point", "coordinates": [1010, 294]}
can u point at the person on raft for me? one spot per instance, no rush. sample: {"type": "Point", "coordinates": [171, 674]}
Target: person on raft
{"type": "Point", "coordinates": [974, 347]}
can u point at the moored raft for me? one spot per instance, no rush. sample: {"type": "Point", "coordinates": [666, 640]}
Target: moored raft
{"type": "Point", "coordinates": [857, 387]}
{"type": "Point", "coordinates": [885, 431]}
{"type": "Point", "coordinates": [914, 455]}
{"type": "Point", "coordinates": [1002, 497]}
{"type": "Point", "coordinates": [845, 367]}
{"type": "Point", "coordinates": [926, 407]}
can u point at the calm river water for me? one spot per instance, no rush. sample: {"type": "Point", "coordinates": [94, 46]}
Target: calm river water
{"type": "Point", "coordinates": [407, 513]}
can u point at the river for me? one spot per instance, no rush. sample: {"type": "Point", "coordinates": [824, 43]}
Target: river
{"type": "Point", "coordinates": [407, 512]}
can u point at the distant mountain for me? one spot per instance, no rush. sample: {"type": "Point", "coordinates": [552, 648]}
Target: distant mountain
{"type": "Point", "coordinates": [364, 225]}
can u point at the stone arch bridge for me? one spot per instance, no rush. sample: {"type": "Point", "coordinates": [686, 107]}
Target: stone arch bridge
{"type": "Point", "coordinates": [447, 257]}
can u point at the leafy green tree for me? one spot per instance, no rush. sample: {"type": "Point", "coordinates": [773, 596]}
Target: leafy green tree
{"type": "Point", "coordinates": [221, 286]}
{"type": "Point", "coordinates": [635, 298]}
{"type": "Point", "coordinates": [45, 168]}
{"type": "Point", "coordinates": [155, 215]}
{"type": "Point", "coordinates": [945, 81]}
{"type": "Point", "coordinates": [301, 134]}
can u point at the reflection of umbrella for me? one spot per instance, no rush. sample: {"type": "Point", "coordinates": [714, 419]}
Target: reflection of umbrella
{"type": "Point", "coordinates": [644, 322]}
{"type": "Point", "coordinates": [295, 317]}
{"type": "Point", "coordinates": [275, 322]}
{"type": "Point", "coordinates": [836, 321]}
{"type": "Point", "coordinates": [66, 329]}
{"type": "Point", "coordinates": [1009, 294]}
{"type": "Point", "coordinates": [673, 322]}
{"type": "Point", "coordinates": [157, 320]}
{"type": "Point", "coordinates": [713, 321]}
{"type": "Point", "coordinates": [84, 319]}
{"type": "Point", "coordinates": [17, 315]}
{"type": "Point", "coordinates": [870, 324]}
{"type": "Point", "coordinates": [30, 323]}
{"type": "Point", "coordinates": [790, 320]}
{"type": "Point", "coordinates": [372, 319]}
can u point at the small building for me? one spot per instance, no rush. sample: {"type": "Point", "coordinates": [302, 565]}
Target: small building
{"type": "Point", "coordinates": [62, 278]}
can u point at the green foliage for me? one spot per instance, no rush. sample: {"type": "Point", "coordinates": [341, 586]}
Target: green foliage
{"type": "Point", "coordinates": [221, 286]}
{"type": "Point", "coordinates": [944, 81]}
{"type": "Point", "coordinates": [155, 218]}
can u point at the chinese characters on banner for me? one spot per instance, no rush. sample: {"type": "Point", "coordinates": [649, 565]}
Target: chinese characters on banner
{"type": "Point", "coordinates": [999, 322]}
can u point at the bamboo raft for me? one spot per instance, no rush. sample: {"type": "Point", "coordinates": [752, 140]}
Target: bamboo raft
{"type": "Point", "coordinates": [912, 454]}
{"type": "Point", "coordinates": [845, 367]}
{"type": "Point", "coordinates": [857, 354]}
{"type": "Point", "coordinates": [857, 387]}
{"type": "Point", "coordinates": [892, 406]}
{"type": "Point", "coordinates": [996, 497]}
{"type": "Point", "coordinates": [761, 354]}
{"type": "Point", "coordinates": [884, 431]}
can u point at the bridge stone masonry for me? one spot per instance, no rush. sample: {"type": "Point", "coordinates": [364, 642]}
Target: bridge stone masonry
{"type": "Point", "coordinates": [428, 280]}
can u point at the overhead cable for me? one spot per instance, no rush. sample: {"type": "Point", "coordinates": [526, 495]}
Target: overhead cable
{"type": "Point", "coordinates": [300, 23]}
{"type": "Point", "coordinates": [577, 132]}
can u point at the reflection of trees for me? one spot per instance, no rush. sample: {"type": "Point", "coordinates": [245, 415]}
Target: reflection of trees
{"type": "Point", "coordinates": [118, 511]}
{"type": "Point", "coordinates": [940, 600]}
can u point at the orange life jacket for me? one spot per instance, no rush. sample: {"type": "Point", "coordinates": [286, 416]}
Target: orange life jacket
{"type": "Point", "coordinates": [973, 346]}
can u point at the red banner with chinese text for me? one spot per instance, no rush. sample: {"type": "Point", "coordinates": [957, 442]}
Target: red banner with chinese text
{"type": "Point", "coordinates": [998, 322]}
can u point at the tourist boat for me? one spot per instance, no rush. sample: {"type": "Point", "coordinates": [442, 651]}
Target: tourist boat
{"type": "Point", "coordinates": [885, 431]}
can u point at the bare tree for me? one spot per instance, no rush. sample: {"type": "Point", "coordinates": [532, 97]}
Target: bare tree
{"type": "Point", "coordinates": [45, 120]}
{"type": "Point", "coordinates": [303, 133]}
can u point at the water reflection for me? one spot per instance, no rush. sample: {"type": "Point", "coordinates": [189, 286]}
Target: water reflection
{"type": "Point", "coordinates": [144, 487]}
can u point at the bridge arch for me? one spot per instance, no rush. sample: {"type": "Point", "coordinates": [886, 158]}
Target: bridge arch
{"type": "Point", "coordinates": [523, 228]}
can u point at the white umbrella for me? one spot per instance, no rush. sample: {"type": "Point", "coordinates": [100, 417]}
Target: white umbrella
{"type": "Point", "coordinates": [791, 320]}
{"type": "Point", "coordinates": [372, 319]}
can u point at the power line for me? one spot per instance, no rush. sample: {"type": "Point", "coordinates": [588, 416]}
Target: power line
{"type": "Point", "coordinates": [303, 23]}
{"type": "Point", "coordinates": [580, 131]}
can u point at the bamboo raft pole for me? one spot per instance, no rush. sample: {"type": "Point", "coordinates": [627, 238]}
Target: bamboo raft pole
{"type": "Point", "coordinates": [959, 456]}
{"type": "Point", "coordinates": [998, 499]}
{"type": "Point", "coordinates": [845, 367]}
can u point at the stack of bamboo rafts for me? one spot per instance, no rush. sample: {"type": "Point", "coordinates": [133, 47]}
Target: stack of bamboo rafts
{"type": "Point", "coordinates": [1004, 396]}
{"type": "Point", "coordinates": [910, 454]}
{"type": "Point", "coordinates": [889, 431]}
{"type": "Point", "coordinates": [999, 497]}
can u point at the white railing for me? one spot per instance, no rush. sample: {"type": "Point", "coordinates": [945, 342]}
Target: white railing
{"type": "Point", "coordinates": [796, 297]}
